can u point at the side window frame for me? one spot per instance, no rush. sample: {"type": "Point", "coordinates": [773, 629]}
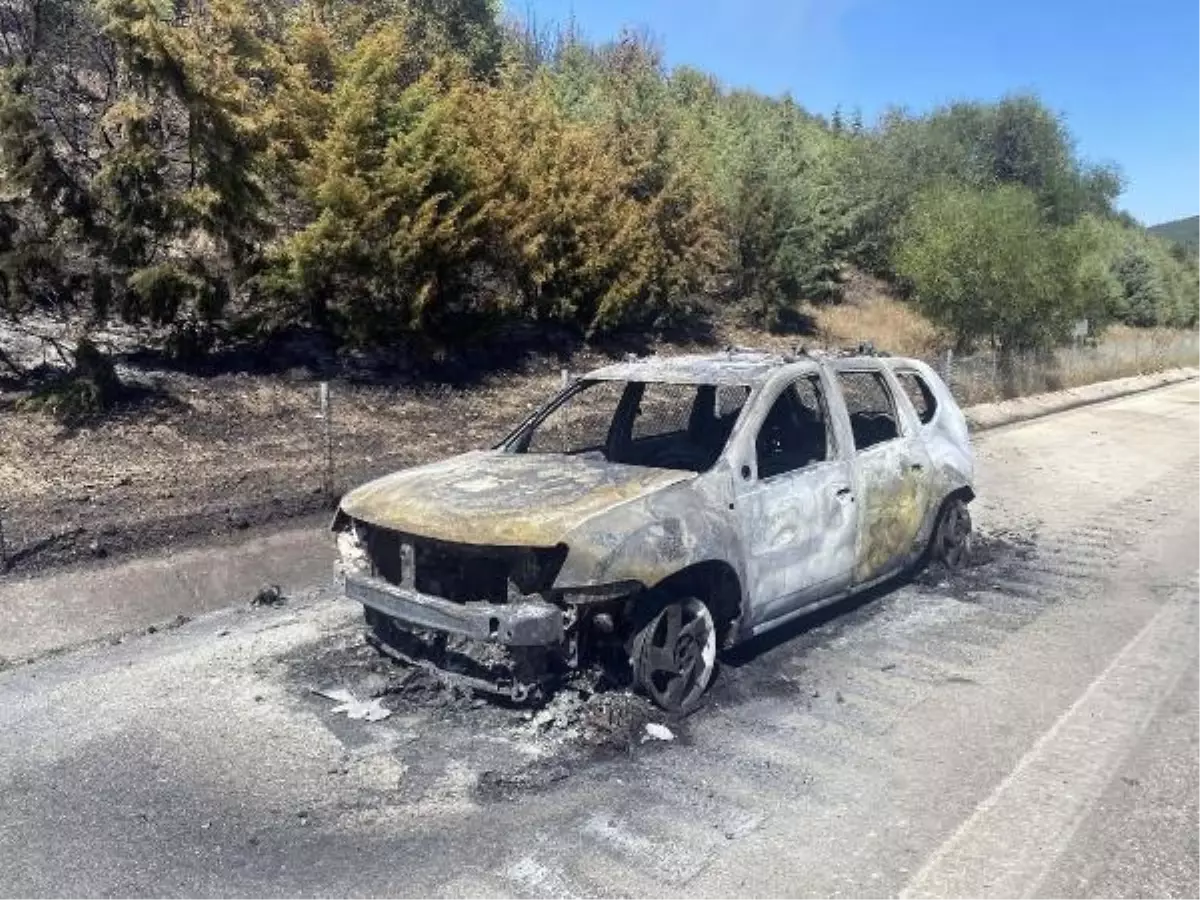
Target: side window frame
{"type": "Point", "coordinates": [833, 438]}
{"type": "Point", "coordinates": [927, 392]}
{"type": "Point", "coordinates": [891, 391]}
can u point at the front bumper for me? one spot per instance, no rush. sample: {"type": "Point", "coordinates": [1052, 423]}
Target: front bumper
{"type": "Point", "coordinates": [520, 624]}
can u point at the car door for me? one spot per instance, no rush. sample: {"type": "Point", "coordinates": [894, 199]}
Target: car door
{"type": "Point", "coordinates": [891, 468]}
{"type": "Point", "coordinates": [795, 503]}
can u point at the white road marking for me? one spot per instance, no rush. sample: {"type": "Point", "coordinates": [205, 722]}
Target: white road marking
{"type": "Point", "coordinates": [1009, 843]}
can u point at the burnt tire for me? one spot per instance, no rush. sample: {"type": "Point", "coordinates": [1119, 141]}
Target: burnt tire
{"type": "Point", "coordinates": [953, 537]}
{"type": "Point", "coordinates": [674, 655]}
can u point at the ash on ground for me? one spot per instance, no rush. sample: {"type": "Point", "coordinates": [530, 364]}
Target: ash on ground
{"type": "Point", "coordinates": [993, 554]}
{"type": "Point", "coordinates": [510, 749]}
{"type": "Point", "coordinates": [346, 659]}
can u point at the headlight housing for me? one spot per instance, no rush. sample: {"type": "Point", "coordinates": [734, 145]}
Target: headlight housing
{"type": "Point", "coordinates": [352, 550]}
{"type": "Point", "coordinates": [534, 570]}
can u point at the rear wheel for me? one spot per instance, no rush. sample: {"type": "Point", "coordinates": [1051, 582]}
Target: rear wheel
{"type": "Point", "coordinates": [953, 537]}
{"type": "Point", "coordinates": [674, 655]}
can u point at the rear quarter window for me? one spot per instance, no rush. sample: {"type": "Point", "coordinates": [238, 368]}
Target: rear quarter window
{"type": "Point", "coordinates": [919, 393]}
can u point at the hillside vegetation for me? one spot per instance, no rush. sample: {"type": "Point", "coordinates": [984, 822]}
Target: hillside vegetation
{"type": "Point", "coordinates": [419, 174]}
{"type": "Point", "coordinates": [1179, 231]}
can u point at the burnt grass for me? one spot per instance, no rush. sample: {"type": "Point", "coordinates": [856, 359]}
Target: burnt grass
{"type": "Point", "coordinates": [244, 455]}
{"type": "Point", "coordinates": [588, 721]}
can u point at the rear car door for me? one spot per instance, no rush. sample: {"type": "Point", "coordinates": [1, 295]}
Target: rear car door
{"type": "Point", "coordinates": [891, 473]}
{"type": "Point", "coordinates": [795, 503]}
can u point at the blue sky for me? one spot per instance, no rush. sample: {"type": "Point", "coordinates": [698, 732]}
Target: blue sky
{"type": "Point", "coordinates": [1124, 74]}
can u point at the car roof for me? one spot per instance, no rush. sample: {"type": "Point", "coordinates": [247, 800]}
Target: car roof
{"type": "Point", "coordinates": [739, 367]}
{"type": "Point", "coordinates": [742, 367]}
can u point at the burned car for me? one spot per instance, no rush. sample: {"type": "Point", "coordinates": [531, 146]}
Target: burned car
{"type": "Point", "coordinates": [656, 511]}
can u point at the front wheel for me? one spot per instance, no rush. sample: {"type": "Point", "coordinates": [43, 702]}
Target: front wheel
{"type": "Point", "coordinates": [953, 537]}
{"type": "Point", "coordinates": [674, 655]}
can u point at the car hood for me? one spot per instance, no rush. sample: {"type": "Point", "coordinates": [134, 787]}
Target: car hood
{"type": "Point", "coordinates": [502, 499]}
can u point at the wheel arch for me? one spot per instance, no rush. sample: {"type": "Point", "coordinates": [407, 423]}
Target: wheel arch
{"type": "Point", "coordinates": [964, 493]}
{"type": "Point", "coordinates": [714, 581]}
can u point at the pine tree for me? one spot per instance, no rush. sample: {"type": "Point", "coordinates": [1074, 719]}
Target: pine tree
{"type": "Point", "coordinates": [181, 187]}
{"type": "Point", "coordinates": [44, 212]}
{"type": "Point", "coordinates": [394, 236]}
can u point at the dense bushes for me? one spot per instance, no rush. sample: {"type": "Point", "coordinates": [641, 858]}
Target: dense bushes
{"type": "Point", "coordinates": [985, 264]}
{"type": "Point", "coordinates": [416, 170]}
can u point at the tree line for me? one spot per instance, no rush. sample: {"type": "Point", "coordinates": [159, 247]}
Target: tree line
{"type": "Point", "coordinates": [424, 171]}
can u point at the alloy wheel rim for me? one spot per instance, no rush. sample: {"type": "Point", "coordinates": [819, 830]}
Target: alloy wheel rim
{"type": "Point", "coordinates": [680, 654]}
{"type": "Point", "coordinates": [956, 536]}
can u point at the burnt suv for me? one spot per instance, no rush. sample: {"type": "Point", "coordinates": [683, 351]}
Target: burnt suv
{"type": "Point", "coordinates": [657, 510]}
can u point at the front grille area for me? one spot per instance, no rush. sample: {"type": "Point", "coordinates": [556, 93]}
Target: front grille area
{"type": "Point", "coordinates": [446, 571]}
{"type": "Point", "coordinates": [383, 549]}
{"type": "Point", "coordinates": [460, 573]}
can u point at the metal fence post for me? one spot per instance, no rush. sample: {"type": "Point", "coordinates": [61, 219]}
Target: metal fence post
{"type": "Point", "coordinates": [327, 434]}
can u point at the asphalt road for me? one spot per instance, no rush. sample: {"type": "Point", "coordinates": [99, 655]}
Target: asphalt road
{"type": "Point", "coordinates": [1029, 728]}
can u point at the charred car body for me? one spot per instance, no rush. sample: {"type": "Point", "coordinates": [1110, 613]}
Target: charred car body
{"type": "Point", "coordinates": [658, 510]}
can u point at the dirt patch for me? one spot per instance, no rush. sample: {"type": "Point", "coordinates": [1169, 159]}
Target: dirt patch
{"type": "Point", "coordinates": [241, 452]}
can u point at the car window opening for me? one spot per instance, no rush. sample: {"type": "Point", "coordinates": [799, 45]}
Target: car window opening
{"type": "Point", "coordinates": [795, 433]}
{"type": "Point", "coordinates": [650, 424]}
{"type": "Point", "coordinates": [919, 393]}
{"type": "Point", "coordinates": [871, 408]}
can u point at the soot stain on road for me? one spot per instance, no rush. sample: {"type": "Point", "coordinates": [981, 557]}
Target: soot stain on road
{"type": "Point", "coordinates": [995, 556]}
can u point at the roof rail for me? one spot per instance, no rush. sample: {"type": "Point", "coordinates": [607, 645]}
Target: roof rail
{"type": "Point", "coordinates": [865, 348]}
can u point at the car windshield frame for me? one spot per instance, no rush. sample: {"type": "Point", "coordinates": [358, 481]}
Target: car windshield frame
{"type": "Point", "coordinates": [696, 458]}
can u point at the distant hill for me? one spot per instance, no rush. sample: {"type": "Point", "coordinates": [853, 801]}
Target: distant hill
{"type": "Point", "coordinates": [1181, 231]}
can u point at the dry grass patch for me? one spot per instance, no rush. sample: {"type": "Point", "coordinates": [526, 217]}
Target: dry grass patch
{"type": "Point", "coordinates": [889, 324]}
